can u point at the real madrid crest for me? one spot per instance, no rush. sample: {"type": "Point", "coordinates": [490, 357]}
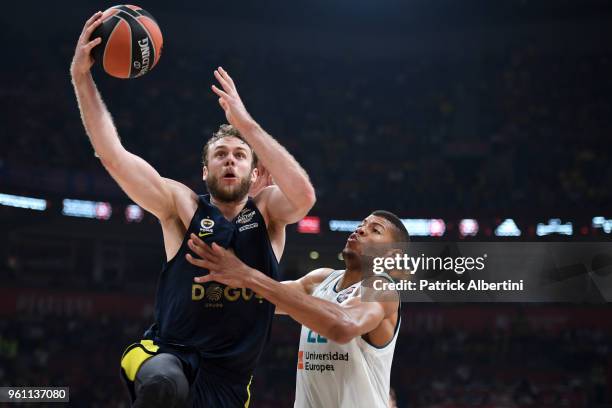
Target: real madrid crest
{"type": "Point", "coordinates": [343, 295]}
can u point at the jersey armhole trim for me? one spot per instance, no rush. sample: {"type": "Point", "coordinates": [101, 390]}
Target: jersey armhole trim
{"type": "Point", "coordinates": [185, 237]}
{"type": "Point", "coordinates": [251, 200]}
{"type": "Point", "coordinates": [335, 285]}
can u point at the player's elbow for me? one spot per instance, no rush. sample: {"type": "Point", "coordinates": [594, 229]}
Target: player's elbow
{"type": "Point", "coordinates": [114, 159]}
{"type": "Point", "coordinates": [310, 197]}
{"type": "Point", "coordinates": [109, 162]}
{"type": "Point", "coordinates": [307, 199]}
{"type": "Point", "coordinates": [111, 156]}
{"type": "Point", "coordinates": [343, 332]}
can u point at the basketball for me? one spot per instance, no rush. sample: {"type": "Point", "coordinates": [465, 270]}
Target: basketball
{"type": "Point", "coordinates": [131, 42]}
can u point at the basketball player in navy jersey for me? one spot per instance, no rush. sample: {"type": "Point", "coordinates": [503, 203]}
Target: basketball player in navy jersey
{"type": "Point", "coordinates": [207, 338]}
{"type": "Point", "coordinates": [335, 320]}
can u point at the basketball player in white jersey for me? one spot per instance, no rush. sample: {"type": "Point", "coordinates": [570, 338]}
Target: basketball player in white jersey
{"type": "Point", "coordinates": [346, 344]}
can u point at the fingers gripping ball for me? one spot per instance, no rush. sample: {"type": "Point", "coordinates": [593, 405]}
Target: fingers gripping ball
{"type": "Point", "coordinates": [131, 42]}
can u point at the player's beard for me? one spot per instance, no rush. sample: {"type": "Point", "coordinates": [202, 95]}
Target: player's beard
{"type": "Point", "coordinates": [231, 194]}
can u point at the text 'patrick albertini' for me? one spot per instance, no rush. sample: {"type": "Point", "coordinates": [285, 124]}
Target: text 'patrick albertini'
{"type": "Point", "coordinates": [406, 265]}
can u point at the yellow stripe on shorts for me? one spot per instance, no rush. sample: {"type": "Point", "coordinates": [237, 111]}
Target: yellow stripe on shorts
{"type": "Point", "coordinates": [248, 401]}
{"type": "Point", "coordinates": [135, 355]}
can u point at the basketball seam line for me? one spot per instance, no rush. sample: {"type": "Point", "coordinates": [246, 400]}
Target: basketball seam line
{"type": "Point", "coordinates": [109, 40]}
{"type": "Point", "coordinates": [127, 10]}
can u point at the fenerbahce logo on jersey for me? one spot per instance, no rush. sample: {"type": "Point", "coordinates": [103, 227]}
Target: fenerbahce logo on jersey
{"type": "Point", "coordinates": [206, 227]}
{"type": "Point", "coordinates": [216, 295]}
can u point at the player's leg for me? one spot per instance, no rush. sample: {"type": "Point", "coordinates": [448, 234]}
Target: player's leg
{"type": "Point", "coordinates": [209, 392]}
{"type": "Point", "coordinates": [161, 382]}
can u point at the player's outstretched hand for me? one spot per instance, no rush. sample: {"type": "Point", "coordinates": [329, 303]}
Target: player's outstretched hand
{"type": "Point", "coordinates": [82, 60]}
{"type": "Point", "coordinates": [230, 101]}
{"type": "Point", "coordinates": [223, 265]}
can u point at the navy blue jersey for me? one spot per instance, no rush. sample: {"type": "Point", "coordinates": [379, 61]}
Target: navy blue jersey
{"type": "Point", "coordinates": [228, 327]}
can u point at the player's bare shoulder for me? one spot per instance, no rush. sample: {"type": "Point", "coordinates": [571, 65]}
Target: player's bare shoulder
{"type": "Point", "coordinates": [275, 228]}
{"type": "Point", "coordinates": [379, 288]}
{"type": "Point", "coordinates": [185, 202]}
{"type": "Point", "coordinates": [176, 223]}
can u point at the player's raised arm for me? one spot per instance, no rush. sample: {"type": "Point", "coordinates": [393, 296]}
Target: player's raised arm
{"type": "Point", "coordinates": [292, 196]}
{"type": "Point", "coordinates": [135, 176]}
{"type": "Point", "coordinates": [338, 322]}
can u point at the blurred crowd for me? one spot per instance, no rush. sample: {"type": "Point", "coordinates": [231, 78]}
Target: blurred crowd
{"type": "Point", "coordinates": [523, 128]}
{"type": "Point", "coordinates": [504, 369]}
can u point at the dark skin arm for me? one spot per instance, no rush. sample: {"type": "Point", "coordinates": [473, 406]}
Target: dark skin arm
{"type": "Point", "coordinates": [338, 322]}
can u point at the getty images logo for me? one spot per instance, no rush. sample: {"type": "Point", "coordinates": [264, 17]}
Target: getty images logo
{"type": "Point", "coordinates": [413, 264]}
{"type": "Point", "coordinates": [145, 55]}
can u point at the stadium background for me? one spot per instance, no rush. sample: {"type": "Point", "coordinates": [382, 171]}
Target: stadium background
{"type": "Point", "coordinates": [498, 113]}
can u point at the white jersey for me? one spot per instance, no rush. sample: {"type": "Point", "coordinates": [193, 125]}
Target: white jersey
{"type": "Point", "coordinates": [332, 375]}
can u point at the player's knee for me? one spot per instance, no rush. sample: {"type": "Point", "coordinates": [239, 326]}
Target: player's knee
{"type": "Point", "coordinates": [161, 391]}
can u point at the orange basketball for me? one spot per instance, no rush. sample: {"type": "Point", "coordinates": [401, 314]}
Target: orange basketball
{"type": "Point", "coordinates": [131, 42]}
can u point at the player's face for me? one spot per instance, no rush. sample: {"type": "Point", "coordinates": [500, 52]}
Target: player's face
{"type": "Point", "coordinates": [372, 230]}
{"type": "Point", "coordinates": [229, 172]}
